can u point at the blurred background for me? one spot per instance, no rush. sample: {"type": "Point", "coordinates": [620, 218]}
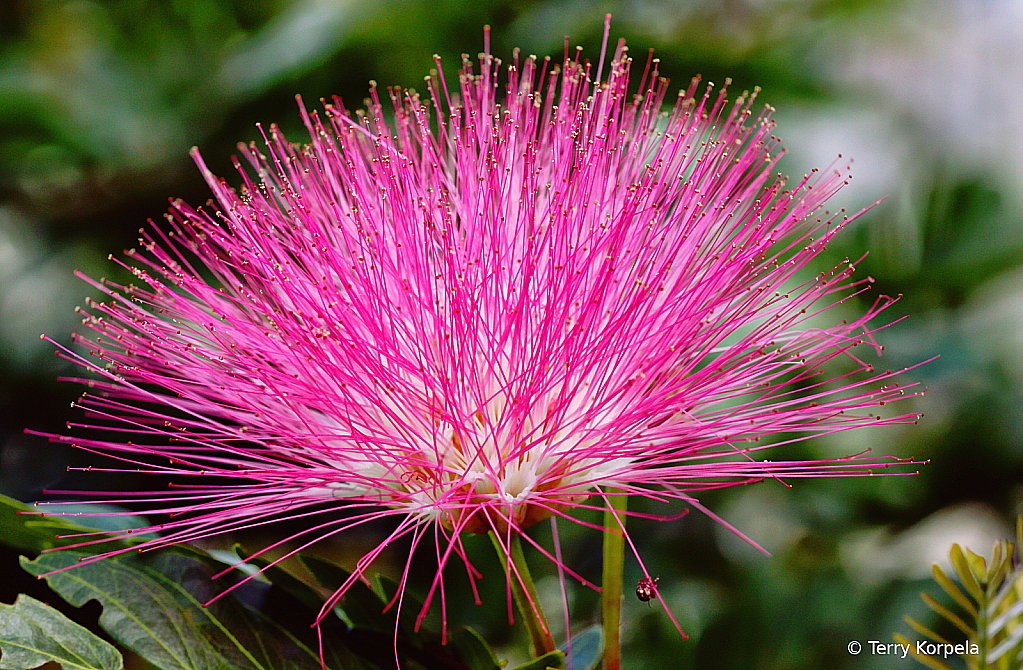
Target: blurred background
{"type": "Point", "coordinates": [101, 100]}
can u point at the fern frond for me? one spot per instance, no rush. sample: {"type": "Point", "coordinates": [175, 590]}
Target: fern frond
{"type": "Point", "coordinates": [990, 593]}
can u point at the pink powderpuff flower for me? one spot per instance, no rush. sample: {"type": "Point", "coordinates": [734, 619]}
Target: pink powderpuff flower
{"type": "Point", "coordinates": [481, 309]}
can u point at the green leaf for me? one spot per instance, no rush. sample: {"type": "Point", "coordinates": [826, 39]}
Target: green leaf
{"type": "Point", "coordinates": [978, 566]}
{"type": "Point", "coordinates": [362, 607]}
{"type": "Point", "coordinates": [102, 517]}
{"type": "Point", "coordinates": [138, 610]}
{"type": "Point", "coordinates": [552, 659]}
{"type": "Point", "coordinates": [32, 633]}
{"type": "Point", "coordinates": [24, 528]}
{"type": "Point", "coordinates": [924, 630]}
{"type": "Point", "coordinates": [953, 618]}
{"type": "Point", "coordinates": [966, 575]}
{"type": "Point", "coordinates": [929, 661]}
{"type": "Point", "coordinates": [469, 647]}
{"type": "Point", "coordinates": [299, 603]}
{"type": "Point", "coordinates": [999, 570]}
{"type": "Point", "coordinates": [154, 607]}
{"type": "Point", "coordinates": [953, 590]}
{"type": "Point", "coordinates": [587, 649]}
{"type": "Point", "coordinates": [373, 630]}
{"type": "Point", "coordinates": [410, 604]}
{"type": "Point", "coordinates": [282, 579]}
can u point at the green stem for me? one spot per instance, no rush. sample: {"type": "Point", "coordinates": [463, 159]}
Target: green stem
{"type": "Point", "coordinates": [611, 584]}
{"type": "Point", "coordinates": [540, 641]}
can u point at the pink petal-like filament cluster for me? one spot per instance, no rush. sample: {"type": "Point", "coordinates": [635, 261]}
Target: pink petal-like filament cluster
{"type": "Point", "coordinates": [475, 311]}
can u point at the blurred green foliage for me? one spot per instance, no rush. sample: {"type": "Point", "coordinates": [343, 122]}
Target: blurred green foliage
{"type": "Point", "coordinates": [101, 100]}
{"type": "Point", "coordinates": [987, 617]}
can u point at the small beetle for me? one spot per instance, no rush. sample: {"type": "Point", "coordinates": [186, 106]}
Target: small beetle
{"type": "Point", "coordinates": [647, 588]}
